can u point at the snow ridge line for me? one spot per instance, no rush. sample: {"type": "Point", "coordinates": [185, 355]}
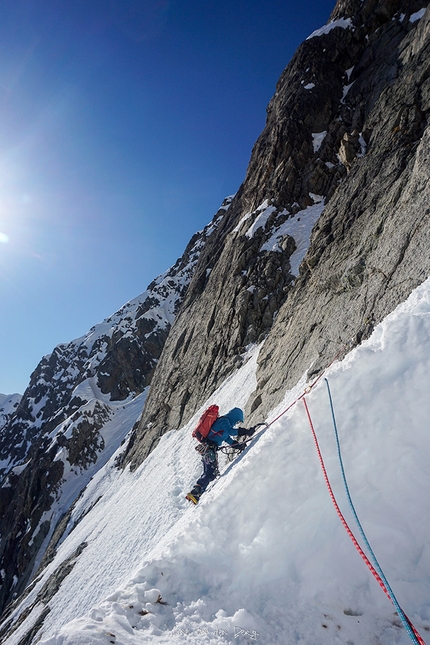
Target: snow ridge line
{"type": "Point", "coordinates": [412, 632]}
{"type": "Point", "coordinates": [403, 617]}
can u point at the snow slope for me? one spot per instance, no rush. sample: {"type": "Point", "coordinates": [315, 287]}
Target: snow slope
{"type": "Point", "coordinates": [83, 367]}
{"type": "Point", "coordinates": [264, 557]}
{"type": "Point", "coordinates": [8, 405]}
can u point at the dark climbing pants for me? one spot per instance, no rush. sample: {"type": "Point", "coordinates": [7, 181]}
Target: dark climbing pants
{"type": "Point", "coordinates": [210, 469]}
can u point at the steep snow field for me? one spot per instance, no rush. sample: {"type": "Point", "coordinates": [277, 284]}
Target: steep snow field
{"type": "Point", "coordinates": [264, 557]}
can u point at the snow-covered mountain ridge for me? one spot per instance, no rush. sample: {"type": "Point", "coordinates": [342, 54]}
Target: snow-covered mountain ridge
{"type": "Point", "coordinates": [8, 405]}
{"type": "Point", "coordinates": [82, 401]}
{"type": "Point", "coordinates": [326, 237]}
{"type": "Point", "coordinates": [264, 557]}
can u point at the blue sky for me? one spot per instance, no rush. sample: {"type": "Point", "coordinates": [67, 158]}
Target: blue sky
{"type": "Point", "coordinates": [123, 125]}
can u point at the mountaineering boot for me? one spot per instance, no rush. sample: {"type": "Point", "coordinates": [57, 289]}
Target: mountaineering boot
{"type": "Point", "coordinates": [192, 498]}
{"type": "Point", "coordinates": [194, 495]}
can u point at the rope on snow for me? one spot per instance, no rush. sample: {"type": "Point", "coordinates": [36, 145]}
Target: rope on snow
{"type": "Point", "coordinates": [375, 570]}
{"type": "Point", "coordinates": [412, 632]}
{"type": "Point", "coordinates": [405, 620]}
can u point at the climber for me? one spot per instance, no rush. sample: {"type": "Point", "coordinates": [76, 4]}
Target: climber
{"type": "Point", "coordinates": [221, 431]}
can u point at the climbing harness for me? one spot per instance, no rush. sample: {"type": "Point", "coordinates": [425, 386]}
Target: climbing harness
{"type": "Point", "coordinates": [412, 632]}
{"type": "Point", "coordinates": [405, 620]}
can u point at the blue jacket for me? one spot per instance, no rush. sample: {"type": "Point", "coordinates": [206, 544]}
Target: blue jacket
{"type": "Point", "coordinates": [223, 429]}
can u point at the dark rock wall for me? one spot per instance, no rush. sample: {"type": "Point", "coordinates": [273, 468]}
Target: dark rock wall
{"type": "Point", "coordinates": [370, 248]}
{"type": "Point", "coordinates": [347, 124]}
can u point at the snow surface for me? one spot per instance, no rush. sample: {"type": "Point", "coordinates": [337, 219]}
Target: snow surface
{"type": "Point", "coordinates": [9, 401]}
{"type": "Point", "coordinates": [116, 420]}
{"type": "Point", "coordinates": [418, 15]}
{"type": "Point", "coordinates": [346, 89]}
{"type": "Point", "coordinates": [264, 212]}
{"type": "Point", "coordinates": [317, 139]}
{"type": "Point", "coordinates": [264, 557]}
{"type": "Point", "coordinates": [298, 226]}
{"type": "Point", "coordinates": [344, 23]}
{"type": "Point", "coordinates": [8, 405]}
{"type": "Point", "coordinates": [363, 146]}
{"type": "Point", "coordinates": [349, 71]}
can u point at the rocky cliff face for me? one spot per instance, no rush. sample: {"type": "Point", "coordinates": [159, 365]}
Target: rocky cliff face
{"type": "Point", "coordinates": [327, 234]}
{"type": "Point", "coordinates": [82, 401]}
{"type": "Point", "coordinates": [370, 247]}
{"type": "Point", "coordinates": [344, 150]}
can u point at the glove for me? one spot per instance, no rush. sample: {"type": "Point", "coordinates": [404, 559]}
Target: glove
{"type": "Point", "coordinates": [238, 446]}
{"type": "Point", "coordinates": [244, 432]}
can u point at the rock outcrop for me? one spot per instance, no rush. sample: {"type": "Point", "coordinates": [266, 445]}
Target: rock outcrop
{"type": "Point", "coordinates": [82, 401]}
{"type": "Point", "coordinates": [346, 141]}
{"type": "Point", "coordinates": [370, 247]}
{"type": "Point", "coordinates": [329, 231]}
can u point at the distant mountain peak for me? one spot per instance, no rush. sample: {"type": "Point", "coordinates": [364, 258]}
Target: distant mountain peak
{"type": "Point", "coordinates": [82, 401]}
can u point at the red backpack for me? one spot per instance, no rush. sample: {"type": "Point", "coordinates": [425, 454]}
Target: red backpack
{"type": "Point", "coordinates": [205, 423]}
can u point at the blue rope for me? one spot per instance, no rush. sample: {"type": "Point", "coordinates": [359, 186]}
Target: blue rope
{"type": "Point", "coordinates": [402, 616]}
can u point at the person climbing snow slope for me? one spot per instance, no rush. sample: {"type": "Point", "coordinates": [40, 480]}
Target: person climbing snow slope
{"type": "Point", "coordinates": [222, 430]}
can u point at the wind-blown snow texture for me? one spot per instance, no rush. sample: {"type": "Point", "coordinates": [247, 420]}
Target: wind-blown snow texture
{"type": "Point", "coordinates": [264, 557]}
